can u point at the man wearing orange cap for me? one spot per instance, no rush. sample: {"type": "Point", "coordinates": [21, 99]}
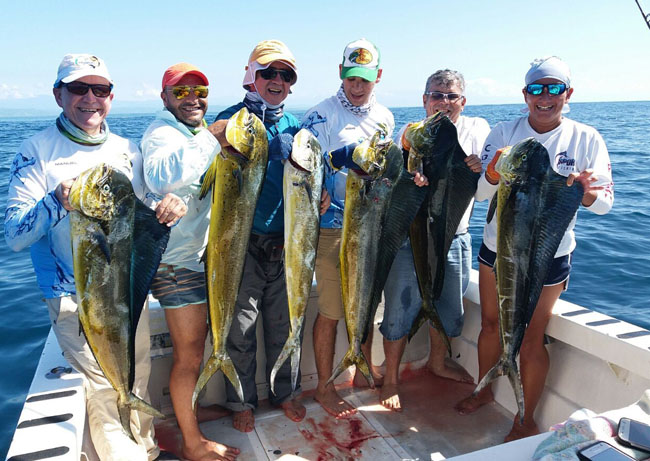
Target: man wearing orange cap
{"type": "Point", "coordinates": [270, 73]}
{"type": "Point", "coordinates": [178, 147]}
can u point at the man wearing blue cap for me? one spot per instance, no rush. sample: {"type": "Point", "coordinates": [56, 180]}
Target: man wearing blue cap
{"type": "Point", "coordinates": [37, 217]}
{"type": "Point", "coordinates": [576, 151]}
{"type": "Point", "coordinates": [339, 122]}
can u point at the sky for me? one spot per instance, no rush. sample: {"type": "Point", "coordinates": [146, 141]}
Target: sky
{"type": "Point", "coordinates": [492, 42]}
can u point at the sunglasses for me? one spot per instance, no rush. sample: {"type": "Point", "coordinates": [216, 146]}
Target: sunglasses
{"type": "Point", "coordinates": [438, 96]}
{"type": "Point", "coordinates": [81, 88]}
{"type": "Point", "coordinates": [183, 91]}
{"type": "Point", "coordinates": [270, 72]}
{"type": "Point", "coordinates": [552, 88]}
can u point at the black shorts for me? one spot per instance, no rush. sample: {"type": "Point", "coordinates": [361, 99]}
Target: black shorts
{"type": "Point", "coordinates": [558, 273]}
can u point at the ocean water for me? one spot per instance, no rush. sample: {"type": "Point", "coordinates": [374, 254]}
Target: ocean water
{"type": "Point", "coordinates": [609, 273]}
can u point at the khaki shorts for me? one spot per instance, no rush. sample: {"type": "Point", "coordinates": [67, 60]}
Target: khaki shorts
{"type": "Point", "coordinates": [328, 274]}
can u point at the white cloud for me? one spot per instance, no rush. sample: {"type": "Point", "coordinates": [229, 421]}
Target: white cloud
{"type": "Point", "coordinates": [146, 92]}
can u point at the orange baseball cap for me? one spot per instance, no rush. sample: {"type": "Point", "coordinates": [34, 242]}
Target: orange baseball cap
{"type": "Point", "coordinates": [176, 72]}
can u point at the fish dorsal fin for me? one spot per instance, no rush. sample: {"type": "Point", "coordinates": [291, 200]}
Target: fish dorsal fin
{"type": "Point", "coordinates": [149, 243]}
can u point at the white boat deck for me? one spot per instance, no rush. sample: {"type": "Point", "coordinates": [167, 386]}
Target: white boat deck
{"type": "Point", "coordinates": [611, 356]}
{"type": "Point", "coordinates": [428, 428]}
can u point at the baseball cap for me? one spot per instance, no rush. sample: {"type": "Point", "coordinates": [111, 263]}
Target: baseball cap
{"type": "Point", "coordinates": [176, 72]}
{"type": "Point", "coordinates": [76, 66]}
{"type": "Point", "coordinates": [548, 67]}
{"type": "Point", "coordinates": [264, 53]}
{"type": "Point", "coordinates": [360, 59]}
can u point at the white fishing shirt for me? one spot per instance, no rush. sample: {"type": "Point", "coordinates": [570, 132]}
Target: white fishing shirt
{"type": "Point", "coordinates": [334, 126]}
{"type": "Point", "coordinates": [572, 148]}
{"type": "Point", "coordinates": [35, 218]}
{"type": "Point", "coordinates": [174, 161]}
{"type": "Point", "coordinates": [472, 132]}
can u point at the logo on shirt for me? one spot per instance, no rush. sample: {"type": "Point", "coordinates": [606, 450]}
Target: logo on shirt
{"type": "Point", "coordinates": [314, 119]}
{"type": "Point", "coordinates": [563, 162]}
{"type": "Point", "coordinates": [486, 152]}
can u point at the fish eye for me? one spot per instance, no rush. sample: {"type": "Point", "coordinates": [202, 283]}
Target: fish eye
{"type": "Point", "coordinates": [524, 157]}
{"type": "Point", "coordinates": [106, 188]}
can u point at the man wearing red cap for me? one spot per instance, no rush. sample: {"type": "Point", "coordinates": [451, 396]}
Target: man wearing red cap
{"type": "Point", "coordinates": [178, 147]}
{"type": "Point", "coordinates": [270, 73]}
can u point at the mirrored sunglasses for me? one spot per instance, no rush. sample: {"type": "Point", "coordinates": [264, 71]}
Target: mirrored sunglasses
{"type": "Point", "coordinates": [438, 96]}
{"type": "Point", "coordinates": [81, 88]}
{"type": "Point", "coordinates": [270, 72]}
{"type": "Point", "coordinates": [183, 91]}
{"type": "Point", "coordinates": [553, 88]}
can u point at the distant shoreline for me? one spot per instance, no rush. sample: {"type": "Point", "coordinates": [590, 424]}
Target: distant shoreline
{"type": "Point", "coordinates": [126, 110]}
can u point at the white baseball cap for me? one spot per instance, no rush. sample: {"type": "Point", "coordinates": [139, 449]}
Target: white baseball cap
{"type": "Point", "coordinates": [76, 66]}
{"type": "Point", "coordinates": [549, 67]}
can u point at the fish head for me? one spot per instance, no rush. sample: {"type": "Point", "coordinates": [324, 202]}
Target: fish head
{"type": "Point", "coordinates": [370, 155]}
{"type": "Point", "coordinates": [306, 151]}
{"type": "Point", "coordinates": [434, 134]}
{"type": "Point", "coordinates": [519, 162]}
{"type": "Point", "coordinates": [246, 134]}
{"type": "Point", "coordinates": [97, 191]}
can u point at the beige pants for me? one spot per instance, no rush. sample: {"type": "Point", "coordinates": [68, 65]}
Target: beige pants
{"type": "Point", "coordinates": [328, 274]}
{"type": "Point", "coordinates": [109, 439]}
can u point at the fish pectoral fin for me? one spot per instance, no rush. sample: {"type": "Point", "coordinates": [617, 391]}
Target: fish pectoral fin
{"type": "Point", "coordinates": [208, 178]}
{"type": "Point", "coordinates": [239, 176]}
{"type": "Point", "coordinates": [98, 238]}
{"type": "Point", "coordinates": [492, 209]}
{"type": "Point", "coordinates": [307, 187]}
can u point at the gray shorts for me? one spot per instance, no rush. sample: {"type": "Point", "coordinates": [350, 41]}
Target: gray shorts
{"type": "Point", "coordinates": [175, 286]}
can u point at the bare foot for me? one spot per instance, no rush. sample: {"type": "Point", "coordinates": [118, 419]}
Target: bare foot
{"type": "Point", "coordinates": [451, 370]}
{"type": "Point", "coordinates": [519, 431]}
{"type": "Point", "coordinates": [243, 421]}
{"type": "Point", "coordinates": [208, 450]}
{"type": "Point", "coordinates": [472, 403]}
{"type": "Point", "coordinates": [333, 403]}
{"type": "Point", "coordinates": [211, 412]}
{"type": "Point", "coordinates": [361, 381]}
{"type": "Point", "coordinates": [389, 397]}
{"type": "Point", "coordinates": [294, 410]}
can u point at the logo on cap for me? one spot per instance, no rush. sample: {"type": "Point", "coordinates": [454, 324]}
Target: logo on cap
{"type": "Point", "coordinates": [361, 56]}
{"type": "Point", "coordinates": [91, 61]}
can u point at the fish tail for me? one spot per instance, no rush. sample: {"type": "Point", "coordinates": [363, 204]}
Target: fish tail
{"type": "Point", "coordinates": [417, 323]}
{"type": "Point", "coordinates": [136, 403]}
{"type": "Point", "coordinates": [429, 312]}
{"type": "Point", "coordinates": [499, 369]}
{"type": "Point", "coordinates": [124, 410]}
{"type": "Point", "coordinates": [211, 367]}
{"type": "Point", "coordinates": [291, 349]}
{"type": "Point", "coordinates": [515, 382]}
{"type": "Point", "coordinates": [353, 357]}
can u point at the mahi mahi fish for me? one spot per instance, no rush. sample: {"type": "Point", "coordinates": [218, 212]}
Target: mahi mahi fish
{"type": "Point", "coordinates": [367, 196]}
{"type": "Point", "coordinates": [117, 243]}
{"type": "Point", "coordinates": [436, 153]}
{"type": "Point", "coordinates": [302, 185]}
{"type": "Point", "coordinates": [235, 177]}
{"type": "Point", "coordinates": [534, 207]}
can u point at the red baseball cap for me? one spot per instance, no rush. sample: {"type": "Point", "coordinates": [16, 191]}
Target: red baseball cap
{"type": "Point", "coordinates": [176, 72]}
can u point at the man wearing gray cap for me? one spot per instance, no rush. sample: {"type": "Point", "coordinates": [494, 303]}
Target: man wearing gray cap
{"type": "Point", "coordinates": [37, 217]}
{"type": "Point", "coordinates": [576, 151]}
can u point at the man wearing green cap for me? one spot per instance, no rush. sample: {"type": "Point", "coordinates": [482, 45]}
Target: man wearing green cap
{"type": "Point", "coordinates": [339, 122]}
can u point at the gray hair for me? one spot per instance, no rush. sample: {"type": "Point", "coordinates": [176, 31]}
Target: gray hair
{"type": "Point", "coordinates": [446, 78]}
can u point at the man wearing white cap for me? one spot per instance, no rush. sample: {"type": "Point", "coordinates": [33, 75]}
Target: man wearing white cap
{"type": "Point", "coordinates": [576, 151]}
{"type": "Point", "coordinates": [177, 148]}
{"type": "Point", "coordinates": [270, 73]}
{"type": "Point", "coordinates": [340, 122]}
{"type": "Point", "coordinates": [37, 217]}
